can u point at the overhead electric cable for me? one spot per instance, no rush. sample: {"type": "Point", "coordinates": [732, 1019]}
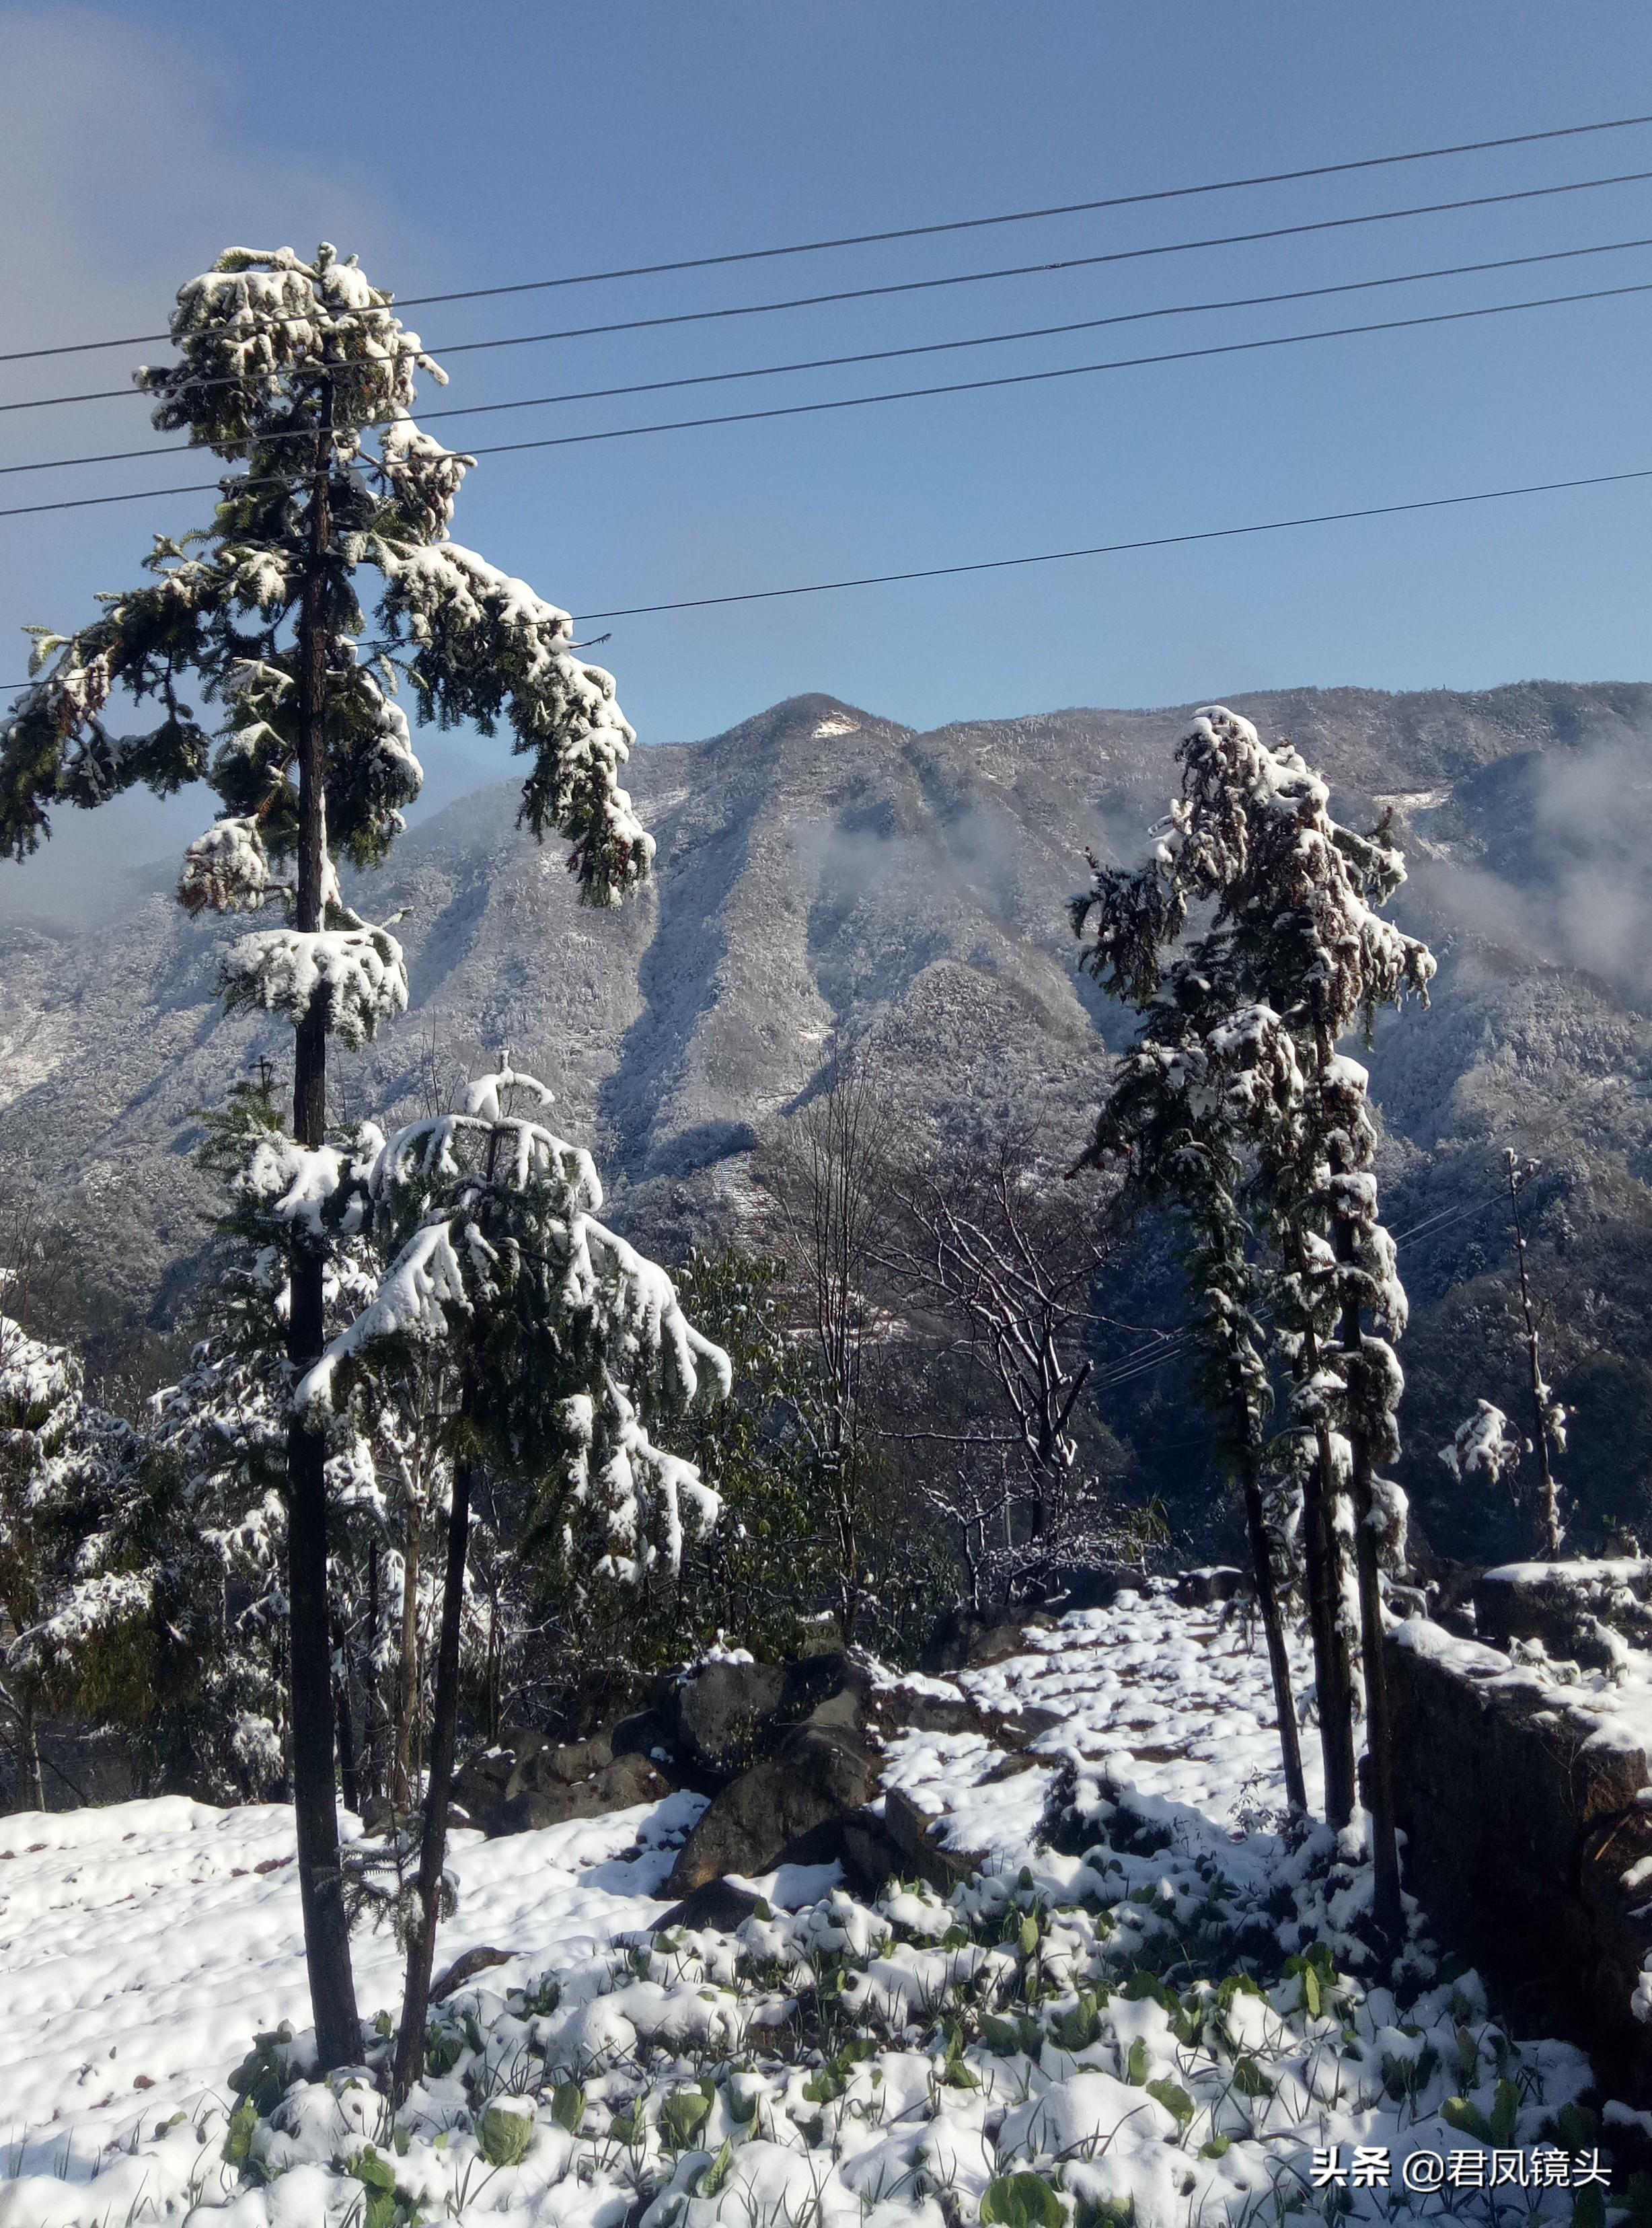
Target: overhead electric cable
{"type": "Point", "coordinates": [931, 231]}
{"type": "Point", "coordinates": [1144, 1360]}
{"type": "Point", "coordinates": [1061, 556]}
{"type": "Point", "coordinates": [871, 355]}
{"type": "Point", "coordinates": [899, 394]}
{"type": "Point", "coordinates": [921, 286]}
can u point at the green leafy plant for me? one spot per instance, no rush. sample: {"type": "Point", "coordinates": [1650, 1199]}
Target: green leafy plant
{"type": "Point", "coordinates": [718, 2172]}
{"type": "Point", "coordinates": [1250, 2080]}
{"type": "Point", "coordinates": [384, 2205]}
{"type": "Point", "coordinates": [1006, 2036]}
{"type": "Point", "coordinates": [683, 2116]}
{"type": "Point", "coordinates": [568, 2106]}
{"type": "Point", "coordinates": [504, 2135]}
{"type": "Point", "coordinates": [1574, 2128]}
{"type": "Point", "coordinates": [1174, 2099]}
{"type": "Point", "coordinates": [1021, 2200]}
{"type": "Point", "coordinates": [1468, 2119]}
{"type": "Point", "coordinates": [1077, 2029]}
{"type": "Point", "coordinates": [238, 2136]}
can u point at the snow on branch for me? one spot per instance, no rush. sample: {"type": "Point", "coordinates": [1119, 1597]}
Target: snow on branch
{"type": "Point", "coordinates": [356, 976]}
{"type": "Point", "coordinates": [424, 1280]}
{"type": "Point", "coordinates": [485, 644]}
{"type": "Point", "coordinates": [505, 1248]}
{"type": "Point", "coordinates": [313, 1192]}
{"type": "Point", "coordinates": [225, 870]}
{"type": "Point", "coordinates": [639, 1491]}
{"type": "Point", "coordinates": [88, 1609]}
{"type": "Point", "coordinates": [1484, 1446]}
{"type": "Point", "coordinates": [40, 1393]}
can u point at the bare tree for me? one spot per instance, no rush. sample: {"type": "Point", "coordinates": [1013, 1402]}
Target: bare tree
{"type": "Point", "coordinates": [998, 1246]}
{"type": "Point", "coordinates": [833, 1178]}
{"type": "Point", "coordinates": [989, 1236]}
{"type": "Point", "coordinates": [1548, 1417]}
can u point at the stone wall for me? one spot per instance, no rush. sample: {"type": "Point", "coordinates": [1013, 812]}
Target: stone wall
{"type": "Point", "coordinates": [1527, 1814]}
{"type": "Point", "coordinates": [1589, 1613]}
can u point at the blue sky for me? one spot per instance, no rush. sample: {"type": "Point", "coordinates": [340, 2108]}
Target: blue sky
{"type": "Point", "coordinates": [476, 146]}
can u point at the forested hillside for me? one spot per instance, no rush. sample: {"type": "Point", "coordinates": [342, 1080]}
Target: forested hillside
{"type": "Point", "coordinates": [822, 873]}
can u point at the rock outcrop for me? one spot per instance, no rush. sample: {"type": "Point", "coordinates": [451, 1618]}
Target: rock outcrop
{"type": "Point", "coordinates": [537, 1783]}
{"type": "Point", "coordinates": [791, 1755]}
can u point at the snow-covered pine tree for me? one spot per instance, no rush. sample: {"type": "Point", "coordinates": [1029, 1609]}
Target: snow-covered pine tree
{"type": "Point", "coordinates": [40, 1403]}
{"type": "Point", "coordinates": [566, 1346]}
{"type": "Point", "coordinates": [301, 374]}
{"type": "Point", "coordinates": [1252, 835]}
{"type": "Point", "coordinates": [1185, 1107]}
{"type": "Point", "coordinates": [78, 1627]}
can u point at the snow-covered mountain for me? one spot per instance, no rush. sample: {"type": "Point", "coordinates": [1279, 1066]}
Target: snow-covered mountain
{"type": "Point", "coordinates": [821, 868]}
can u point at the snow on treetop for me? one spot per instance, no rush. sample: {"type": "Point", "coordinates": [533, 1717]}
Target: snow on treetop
{"type": "Point", "coordinates": [482, 1095]}
{"type": "Point", "coordinates": [262, 315]}
{"type": "Point", "coordinates": [531, 1152]}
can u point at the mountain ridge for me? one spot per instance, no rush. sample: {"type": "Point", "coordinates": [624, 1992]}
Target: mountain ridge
{"type": "Point", "coordinates": [822, 870]}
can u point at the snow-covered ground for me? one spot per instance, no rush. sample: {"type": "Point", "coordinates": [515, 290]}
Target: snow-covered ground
{"type": "Point", "coordinates": [898, 2067]}
{"type": "Point", "coordinates": [142, 1946]}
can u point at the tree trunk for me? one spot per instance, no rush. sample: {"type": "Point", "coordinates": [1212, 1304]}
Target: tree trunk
{"type": "Point", "coordinates": [320, 1883]}
{"type": "Point", "coordinates": [495, 1668]}
{"type": "Point", "coordinates": [432, 1847]}
{"type": "Point", "coordinates": [373, 1700]}
{"type": "Point", "coordinates": [1267, 1600]}
{"type": "Point", "coordinates": [404, 1763]}
{"type": "Point", "coordinates": [1333, 1674]}
{"type": "Point", "coordinates": [1387, 1909]}
{"type": "Point", "coordinates": [1548, 1506]}
{"type": "Point", "coordinates": [346, 1721]}
{"type": "Point", "coordinates": [28, 1749]}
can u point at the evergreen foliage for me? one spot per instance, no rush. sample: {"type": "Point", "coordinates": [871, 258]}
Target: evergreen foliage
{"type": "Point", "coordinates": [1305, 954]}
{"type": "Point", "coordinates": [301, 373]}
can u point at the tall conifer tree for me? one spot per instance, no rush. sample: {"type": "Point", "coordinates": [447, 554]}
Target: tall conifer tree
{"type": "Point", "coordinates": [1297, 895]}
{"type": "Point", "coordinates": [299, 376]}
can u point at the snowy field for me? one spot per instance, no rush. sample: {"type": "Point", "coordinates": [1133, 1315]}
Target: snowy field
{"type": "Point", "coordinates": [898, 2066]}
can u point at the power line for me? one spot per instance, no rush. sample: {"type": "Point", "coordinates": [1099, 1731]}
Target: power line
{"type": "Point", "coordinates": [925, 285]}
{"type": "Point", "coordinates": [1146, 1359]}
{"type": "Point", "coordinates": [1123, 549]}
{"type": "Point", "coordinates": [879, 355]}
{"type": "Point", "coordinates": [1099, 549]}
{"type": "Point", "coordinates": [930, 231]}
{"type": "Point", "coordinates": [901, 395]}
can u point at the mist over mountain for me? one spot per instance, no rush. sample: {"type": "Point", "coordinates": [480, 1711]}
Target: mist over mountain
{"type": "Point", "coordinates": [821, 871]}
